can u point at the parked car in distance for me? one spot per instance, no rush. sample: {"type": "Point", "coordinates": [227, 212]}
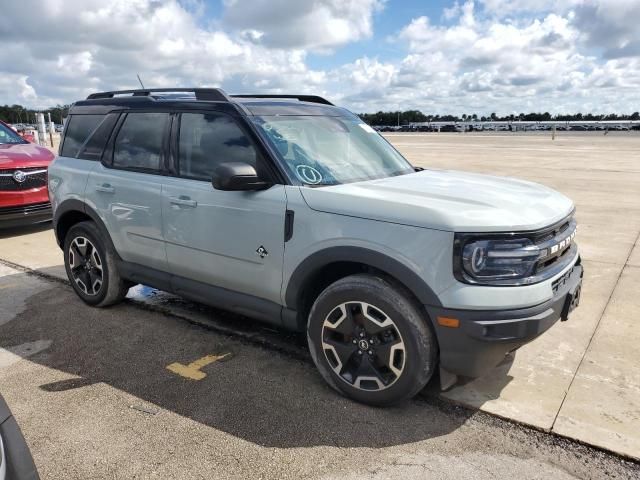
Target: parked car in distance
{"type": "Point", "coordinates": [16, 462]}
{"type": "Point", "coordinates": [23, 180]}
{"type": "Point", "coordinates": [292, 210]}
{"type": "Point", "coordinates": [23, 131]}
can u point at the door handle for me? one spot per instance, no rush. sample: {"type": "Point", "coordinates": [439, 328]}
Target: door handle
{"type": "Point", "coordinates": [106, 188]}
{"type": "Point", "coordinates": [184, 201]}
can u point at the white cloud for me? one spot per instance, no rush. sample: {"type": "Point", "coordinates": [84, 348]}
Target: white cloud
{"type": "Point", "coordinates": [76, 63]}
{"type": "Point", "coordinates": [76, 47]}
{"type": "Point", "coordinates": [480, 62]}
{"type": "Point", "coordinates": [505, 8]}
{"type": "Point", "coordinates": [610, 25]}
{"type": "Point", "coordinates": [493, 55]}
{"type": "Point", "coordinates": [17, 88]}
{"type": "Point", "coordinates": [315, 25]}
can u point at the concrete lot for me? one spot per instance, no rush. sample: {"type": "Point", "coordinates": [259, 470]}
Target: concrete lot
{"type": "Point", "coordinates": [72, 373]}
{"type": "Point", "coordinates": [581, 379]}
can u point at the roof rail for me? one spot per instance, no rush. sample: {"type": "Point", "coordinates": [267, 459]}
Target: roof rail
{"type": "Point", "coordinates": [302, 98]}
{"type": "Point", "coordinates": [211, 94]}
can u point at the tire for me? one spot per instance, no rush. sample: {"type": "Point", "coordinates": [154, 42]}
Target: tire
{"type": "Point", "coordinates": [398, 341]}
{"type": "Point", "coordinates": [98, 282]}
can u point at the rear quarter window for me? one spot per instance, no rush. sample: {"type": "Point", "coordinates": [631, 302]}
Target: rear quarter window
{"type": "Point", "coordinates": [79, 129]}
{"type": "Point", "coordinates": [95, 144]}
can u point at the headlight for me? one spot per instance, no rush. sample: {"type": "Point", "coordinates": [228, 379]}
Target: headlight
{"type": "Point", "coordinates": [513, 258]}
{"type": "Point", "coordinates": [499, 259]}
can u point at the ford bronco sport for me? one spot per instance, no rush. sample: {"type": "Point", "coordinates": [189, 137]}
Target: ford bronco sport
{"type": "Point", "coordinates": [293, 211]}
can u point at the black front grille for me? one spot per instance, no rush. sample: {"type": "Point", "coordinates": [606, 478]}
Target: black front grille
{"type": "Point", "coordinates": [34, 208]}
{"type": "Point", "coordinates": [551, 233]}
{"type": "Point", "coordinates": [33, 178]}
{"type": "Point", "coordinates": [564, 252]}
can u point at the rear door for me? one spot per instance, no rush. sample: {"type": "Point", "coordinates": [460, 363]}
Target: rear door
{"type": "Point", "coordinates": [126, 188]}
{"type": "Point", "coordinates": [233, 240]}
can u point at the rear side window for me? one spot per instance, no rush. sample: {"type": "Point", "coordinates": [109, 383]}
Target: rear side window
{"type": "Point", "coordinates": [138, 145]}
{"type": "Point", "coordinates": [208, 139]}
{"type": "Point", "coordinates": [78, 130]}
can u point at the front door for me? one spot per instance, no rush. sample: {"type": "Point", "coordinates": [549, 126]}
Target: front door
{"type": "Point", "coordinates": [233, 240]}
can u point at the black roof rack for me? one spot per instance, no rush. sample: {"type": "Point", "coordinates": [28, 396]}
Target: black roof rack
{"type": "Point", "coordinates": [211, 94]}
{"type": "Point", "coordinates": [302, 98]}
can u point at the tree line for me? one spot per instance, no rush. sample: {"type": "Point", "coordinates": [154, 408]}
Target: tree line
{"type": "Point", "coordinates": [20, 114]}
{"type": "Point", "coordinates": [413, 116]}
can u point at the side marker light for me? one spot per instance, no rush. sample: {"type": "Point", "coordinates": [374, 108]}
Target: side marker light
{"type": "Point", "coordinates": [448, 322]}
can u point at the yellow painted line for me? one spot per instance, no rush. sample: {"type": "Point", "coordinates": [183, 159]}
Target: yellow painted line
{"type": "Point", "coordinates": [193, 371]}
{"type": "Point", "coordinates": [8, 285]}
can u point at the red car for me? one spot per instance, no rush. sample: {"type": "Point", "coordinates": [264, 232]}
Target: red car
{"type": "Point", "coordinates": [23, 180]}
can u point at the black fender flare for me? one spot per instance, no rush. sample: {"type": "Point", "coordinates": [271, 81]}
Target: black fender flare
{"type": "Point", "coordinates": [74, 205]}
{"type": "Point", "coordinates": [365, 256]}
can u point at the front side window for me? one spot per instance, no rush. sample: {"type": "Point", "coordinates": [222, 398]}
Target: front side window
{"type": "Point", "coordinates": [7, 135]}
{"type": "Point", "coordinates": [138, 145]}
{"type": "Point", "coordinates": [322, 150]}
{"type": "Point", "coordinates": [209, 139]}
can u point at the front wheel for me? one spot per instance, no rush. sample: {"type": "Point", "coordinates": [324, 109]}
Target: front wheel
{"type": "Point", "coordinates": [91, 266]}
{"type": "Point", "coordinates": [370, 340]}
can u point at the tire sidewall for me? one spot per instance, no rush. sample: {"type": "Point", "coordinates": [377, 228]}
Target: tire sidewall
{"type": "Point", "coordinates": [89, 231]}
{"type": "Point", "coordinates": [419, 342]}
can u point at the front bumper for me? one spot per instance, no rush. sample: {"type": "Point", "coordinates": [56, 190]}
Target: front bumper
{"type": "Point", "coordinates": [18, 216]}
{"type": "Point", "coordinates": [484, 337]}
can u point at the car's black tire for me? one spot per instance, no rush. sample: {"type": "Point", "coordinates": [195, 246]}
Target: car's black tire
{"type": "Point", "coordinates": [112, 288]}
{"type": "Point", "coordinates": [384, 300]}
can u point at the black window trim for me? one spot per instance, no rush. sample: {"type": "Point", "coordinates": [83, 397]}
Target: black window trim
{"type": "Point", "coordinates": [109, 151]}
{"type": "Point", "coordinates": [262, 155]}
{"type": "Point", "coordinates": [67, 121]}
{"type": "Point", "coordinates": [171, 164]}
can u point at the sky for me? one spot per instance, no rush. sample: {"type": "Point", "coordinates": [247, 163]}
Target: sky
{"type": "Point", "coordinates": [441, 57]}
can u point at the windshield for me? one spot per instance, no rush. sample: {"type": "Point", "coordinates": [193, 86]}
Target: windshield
{"type": "Point", "coordinates": [332, 150]}
{"type": "Point", "coordinates": [7, 135]}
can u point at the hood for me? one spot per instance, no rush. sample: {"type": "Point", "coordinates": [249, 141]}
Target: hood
{"type": "Point", "coordinates": [446, 200]}
{"type": "Point", "coordinates": [24, 155]}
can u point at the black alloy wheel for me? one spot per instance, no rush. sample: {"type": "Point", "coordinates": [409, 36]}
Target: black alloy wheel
{"type": "Point", "coordinates": [363, 346]}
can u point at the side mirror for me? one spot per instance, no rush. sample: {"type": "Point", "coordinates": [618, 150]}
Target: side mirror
{"type": "Point", "coordinates": [237, 176]}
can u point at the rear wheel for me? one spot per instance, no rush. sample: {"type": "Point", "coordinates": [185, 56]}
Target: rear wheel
{"type": "Point", "coordinates": [91, 266]}
{"type": "Point", "coordinates": [370, 340]}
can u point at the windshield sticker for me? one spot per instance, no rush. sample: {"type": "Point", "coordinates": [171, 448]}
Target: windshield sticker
{"type": "Point", "coordinates": [308, 174]}
{"type": "Point", "coordinates": [366, 128]}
